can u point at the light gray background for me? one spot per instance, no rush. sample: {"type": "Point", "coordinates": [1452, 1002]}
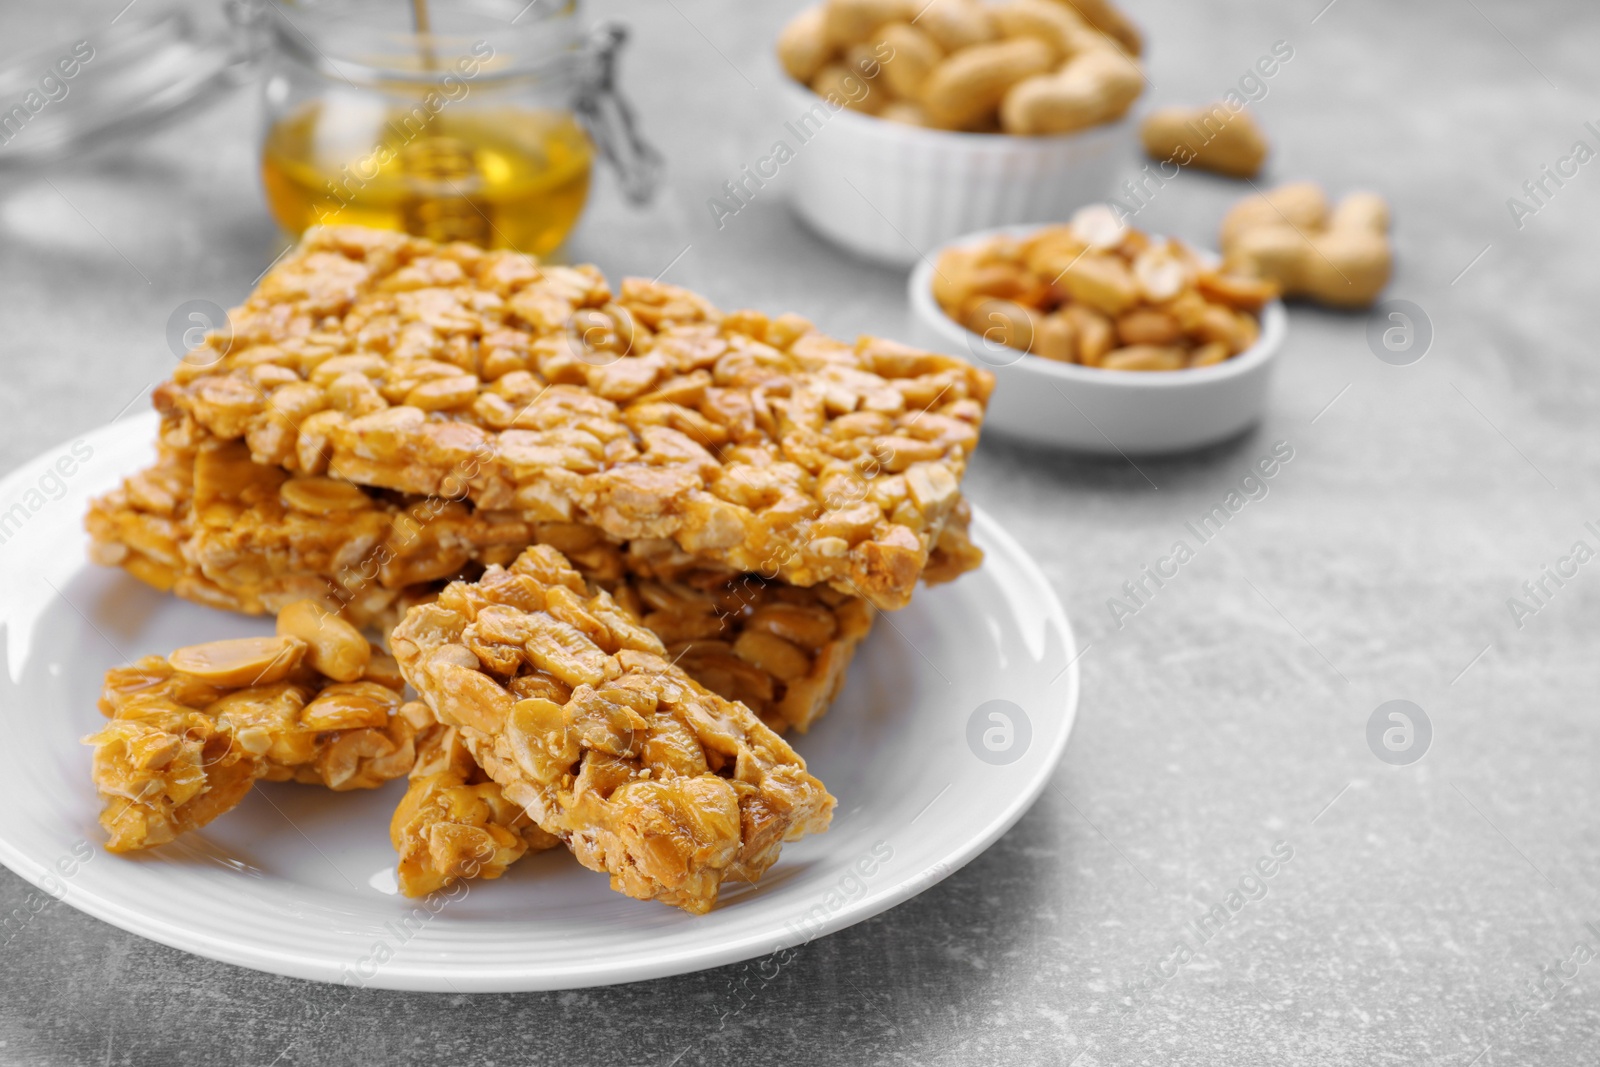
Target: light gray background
{"type": "Point", "coordinates": [1230, 713]}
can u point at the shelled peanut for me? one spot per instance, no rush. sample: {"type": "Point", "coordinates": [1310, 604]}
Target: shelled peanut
{"type": "Point", "coordinates": [1098, 293]}
{"type": "Point", "coordinates": [1026, 67]}
{"type": "Point", "coordinates": [1338, 256]}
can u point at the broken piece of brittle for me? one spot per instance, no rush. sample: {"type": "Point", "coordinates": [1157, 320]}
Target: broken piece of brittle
{"type": "Point", "coordinates": [781, 651]}
{"type": "Point", "coordinates": [755, 444]}
{"type": "Point", "coordinates": [454, 821]}
{"type": "Point", "coordinates": [191, 733]}
{"type": "Point", "coordinates": [574, 710]}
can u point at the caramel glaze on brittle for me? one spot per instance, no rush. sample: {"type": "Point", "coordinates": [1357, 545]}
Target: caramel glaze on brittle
{"type": "Point", "coordinates": [754, 444]}
{"type": "Point", "coordinates": [575, 711]}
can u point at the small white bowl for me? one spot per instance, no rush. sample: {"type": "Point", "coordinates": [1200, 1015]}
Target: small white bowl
{"type": "Point", "coordinates": [1088, 409]}
{"type": "Point", "coordinates": [890, 192]}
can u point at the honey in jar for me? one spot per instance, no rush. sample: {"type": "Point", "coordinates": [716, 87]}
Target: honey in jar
{"type": "Point", "coordinates": [498, 177]}
{"type": "Point", "coordinates": [456, 120]}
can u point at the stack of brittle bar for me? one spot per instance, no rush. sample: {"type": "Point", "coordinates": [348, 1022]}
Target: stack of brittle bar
{"type": "Point", "coordinates": [619, 541]}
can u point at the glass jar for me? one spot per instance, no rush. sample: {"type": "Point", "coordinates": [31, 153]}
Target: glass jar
{"type": "Point", "coordinates": [471, 120]}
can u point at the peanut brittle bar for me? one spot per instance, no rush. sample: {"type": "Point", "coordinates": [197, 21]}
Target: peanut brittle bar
{"type": "Point", "coordinates": [756, 444]}
{"type": "Point", "coordinates": [781, 651]}
{"type": "Point", "coordinates": [459, 825]}
{"type": "Point", "coordinates": [191, 733]}
{"type": "Point", "coordinates": [221, 530]}
{"type": "Point", "coordinates": [574, 710]}
{"type": "Point", "coordinates": [217, 528]}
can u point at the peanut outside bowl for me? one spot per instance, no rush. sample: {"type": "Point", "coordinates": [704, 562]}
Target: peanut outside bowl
{"type": "Point", "coordinates": [889, 192]}
{"type": "Point", "coordinates": [1087, 409]}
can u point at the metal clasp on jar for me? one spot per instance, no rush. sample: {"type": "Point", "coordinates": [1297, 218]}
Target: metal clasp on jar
{"type": "Point", "coordinates": [609, 119]}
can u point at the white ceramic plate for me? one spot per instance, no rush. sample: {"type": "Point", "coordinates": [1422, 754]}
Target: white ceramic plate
{"type": "Point", "coordinates": [299, 881]}
{"type": "Point", "coordinates": [1112, 412]}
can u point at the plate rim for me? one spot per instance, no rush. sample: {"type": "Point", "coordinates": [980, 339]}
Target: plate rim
{"type": "Point", "coordinates": [421, 975]}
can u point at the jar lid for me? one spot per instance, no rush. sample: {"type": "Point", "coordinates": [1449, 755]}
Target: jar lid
{"type": "Point", "coordinates": [120, 81]}
{"type": "Point", "coordinates": [368, 42]}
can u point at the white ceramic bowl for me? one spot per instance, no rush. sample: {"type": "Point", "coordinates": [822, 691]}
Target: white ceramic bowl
{"type": "Point", "coordinates": [1105, 411]}
{"type": "Point", "coordinates": [892, 192]}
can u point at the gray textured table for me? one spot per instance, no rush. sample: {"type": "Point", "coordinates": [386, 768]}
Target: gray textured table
{"type": "Point", "coordinates": [1422, 904]}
